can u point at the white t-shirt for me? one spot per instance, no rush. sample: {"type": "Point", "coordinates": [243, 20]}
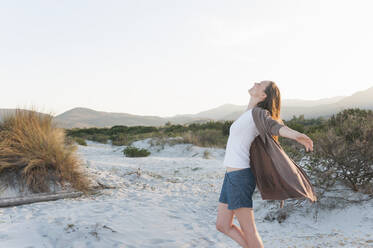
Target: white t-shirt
{"type": "Point", "coordinates": [241, 134]}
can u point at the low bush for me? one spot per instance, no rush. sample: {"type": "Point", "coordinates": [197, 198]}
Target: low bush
{"type": "Point", "coordinates": [131, 151]}
{"type": "Point", "coordinates": [226, 127]}
{"type": "Point", "coordinates": [205, 138]}
{"type": "Point", "coordinates": [344, 151]}
{"type": "Point", "coordinates": [80, 141]}
{"type": "Point", "coordinates": [121, 139]}
{"type": "Point", "coordinates": [32, 146]}
{"type": "Point", "coordinates": [101, 138]}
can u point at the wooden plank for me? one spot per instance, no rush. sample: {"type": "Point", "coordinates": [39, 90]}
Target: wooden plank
{"type": "Point", "coordinates": [14, 201]}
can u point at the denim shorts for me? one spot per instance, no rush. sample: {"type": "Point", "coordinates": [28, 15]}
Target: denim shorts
{"type": "Point", "coordinates": [238, 188]}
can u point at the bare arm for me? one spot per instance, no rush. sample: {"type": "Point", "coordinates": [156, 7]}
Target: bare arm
{"type": "Point", "coordinates": [301, 138]}
{"type": "Point", "coordinates": [287, 132]}
{"type": "Point", "coordinates": [275, 128]}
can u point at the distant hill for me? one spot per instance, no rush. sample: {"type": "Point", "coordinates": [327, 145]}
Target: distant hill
{"type": "Point", "coordinates": [361, 99]}
{"type": "Point", "coordinates": [296, 107]}
{"type": "Point", "coordinates": [84, 117]}
{"type": "Point", "coordinates": [310, 103]}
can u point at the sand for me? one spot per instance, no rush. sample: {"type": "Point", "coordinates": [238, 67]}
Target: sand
{"type": "Point", "coordinates": [169, 199]}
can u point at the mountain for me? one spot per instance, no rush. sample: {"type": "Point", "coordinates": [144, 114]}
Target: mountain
{"type": "Point", "coordinates": [84, 117]}
{"type": "Point", "coordinates": [310, 103]}
{"type": "Point", "coordinates": [361, 99]}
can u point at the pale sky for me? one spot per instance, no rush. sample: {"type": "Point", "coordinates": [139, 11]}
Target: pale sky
{"type": "Point", "coordinates": [179, 57]}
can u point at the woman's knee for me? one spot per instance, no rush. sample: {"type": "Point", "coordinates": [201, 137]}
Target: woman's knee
{"type": "Point", "coordinates": [224, 219]}
{"type": "Point", "coordinates": [221, 227]}
{"type": "Point", "coordinates": [246, 219]}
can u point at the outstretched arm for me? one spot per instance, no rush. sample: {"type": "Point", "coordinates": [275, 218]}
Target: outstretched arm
{"type": "Point", "coordinates": [275, 128]}
{"type": "Point", "coordinates": [301, 138]}
{"type": "Point", "coordinates": [287, 132]}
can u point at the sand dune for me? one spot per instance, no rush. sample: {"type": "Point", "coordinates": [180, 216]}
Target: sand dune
{"type": "Point", "coordinates": [168, 199]}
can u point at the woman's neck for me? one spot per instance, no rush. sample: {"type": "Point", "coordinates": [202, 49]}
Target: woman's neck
{"type": "Point", "coordinates": [252, 103]}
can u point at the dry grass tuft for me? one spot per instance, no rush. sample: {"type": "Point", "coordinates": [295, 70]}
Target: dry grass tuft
{"type": "Point", "coordinates": [31, 144]}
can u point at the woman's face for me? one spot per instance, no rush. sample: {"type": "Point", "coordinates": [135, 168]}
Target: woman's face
{"type": "Point", "coordinates": [257, 90]}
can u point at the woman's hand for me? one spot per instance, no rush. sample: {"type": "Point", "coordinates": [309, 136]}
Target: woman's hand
{"type": "Point", "coordinates": [306, 141]}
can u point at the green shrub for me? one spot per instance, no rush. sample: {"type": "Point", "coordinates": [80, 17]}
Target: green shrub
{"type": "Point", "coordinates": [175, 128]}
{"type": "Point", "coordinates": [102, 138]}
{"type": "Point", "coordinates": [114, 130]}
{"type": "Point", "coordinates": [132, 151]}
{"type": "Point", "coordinates": [217, 125]}
{"type": "Point", "coordinates": [80, 141]}
{"type": "Point", "coordinates": [205, 138]}
{"type": "Point", "coordinates": [226, 127]}
{"type": "Point", "coordinates": [120, 139]}
{"type": "Point", "coordinates": [344, 150]}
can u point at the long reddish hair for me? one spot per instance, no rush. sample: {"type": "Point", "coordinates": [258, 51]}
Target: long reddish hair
{"type": "Point", "coordinates": [272, 102]}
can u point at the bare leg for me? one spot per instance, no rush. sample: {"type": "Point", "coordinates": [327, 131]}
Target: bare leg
{"type": "Point", "coordinates": [224, 224]}
{"type": "Point", "coordinates": [246, 219]}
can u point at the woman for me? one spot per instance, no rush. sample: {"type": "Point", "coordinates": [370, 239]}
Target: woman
{"type": "Point", "coordinates": [239, 181]}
